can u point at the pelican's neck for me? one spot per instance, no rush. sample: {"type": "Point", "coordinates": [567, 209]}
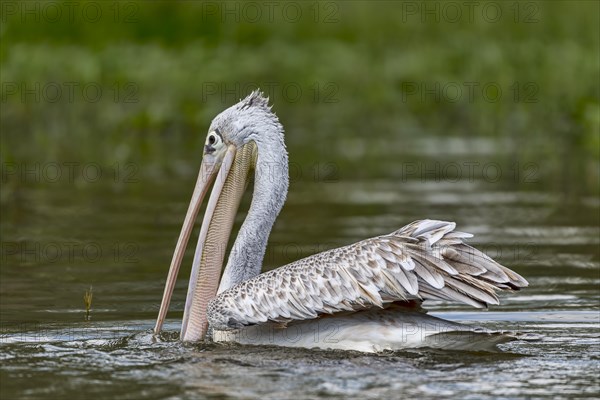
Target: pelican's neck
{"type": "Point", "coordinates": [270, 190]}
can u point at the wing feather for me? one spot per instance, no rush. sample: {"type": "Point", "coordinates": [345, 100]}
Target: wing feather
{"type": "Point", "coordinates": [423, 260]}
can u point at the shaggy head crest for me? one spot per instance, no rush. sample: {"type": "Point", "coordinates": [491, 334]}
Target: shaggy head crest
{"type": "Point", "coordinates": [255, 99]}
{"type": "Point", "coordinates": [249, 119]}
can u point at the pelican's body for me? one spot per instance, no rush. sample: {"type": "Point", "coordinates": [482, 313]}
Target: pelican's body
{"type": "Point", "coordinates": [369, 331]}
{"type": "Point", "coordinates": [365, 296]}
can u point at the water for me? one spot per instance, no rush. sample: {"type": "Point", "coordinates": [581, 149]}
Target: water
{"type": "Point", "coordinates": [58, 239]}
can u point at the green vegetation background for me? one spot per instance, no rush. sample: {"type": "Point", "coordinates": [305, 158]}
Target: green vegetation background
{"type": "Point", "coordinates": [181, 63]}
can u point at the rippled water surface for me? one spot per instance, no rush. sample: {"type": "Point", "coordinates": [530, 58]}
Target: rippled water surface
{"type": "Point", "coordinates": [60, 239]}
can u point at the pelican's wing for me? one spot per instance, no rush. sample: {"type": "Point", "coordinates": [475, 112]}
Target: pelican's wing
{"type": "Point", "coordinates": [424, 260]}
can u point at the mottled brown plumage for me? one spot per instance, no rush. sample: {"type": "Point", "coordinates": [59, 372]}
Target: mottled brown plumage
{"type": "Point", "coordinates": [424, 260]}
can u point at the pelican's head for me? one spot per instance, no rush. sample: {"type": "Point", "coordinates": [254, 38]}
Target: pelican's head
{"type": "Point", "coordinates": [231, 152]}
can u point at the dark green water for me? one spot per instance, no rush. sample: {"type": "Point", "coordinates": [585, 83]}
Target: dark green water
{"type": "Point", "coordinates": [117, 234]}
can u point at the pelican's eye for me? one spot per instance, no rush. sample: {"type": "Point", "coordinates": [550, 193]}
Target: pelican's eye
{"type": "Point", "coordinates": [214, 141]}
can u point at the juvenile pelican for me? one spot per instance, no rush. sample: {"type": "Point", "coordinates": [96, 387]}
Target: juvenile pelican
{"type": "Point", "coordinates": [365, 296]}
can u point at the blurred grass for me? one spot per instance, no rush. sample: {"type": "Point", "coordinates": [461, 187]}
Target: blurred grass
{"type": "Point", "coordinates": [166, 69]}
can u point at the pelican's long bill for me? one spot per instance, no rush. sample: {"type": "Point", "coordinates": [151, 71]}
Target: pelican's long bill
{"type": "Point", "coordinates": [232, 167]}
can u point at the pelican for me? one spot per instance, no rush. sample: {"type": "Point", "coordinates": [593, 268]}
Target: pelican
{"type": "Point", "coordinates": [365, 296]}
